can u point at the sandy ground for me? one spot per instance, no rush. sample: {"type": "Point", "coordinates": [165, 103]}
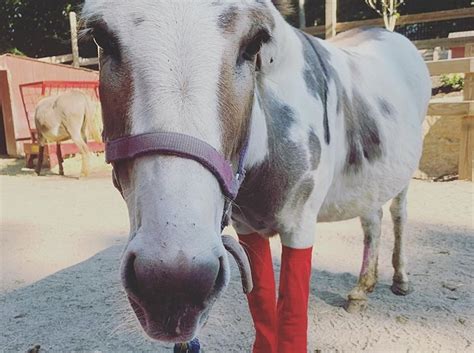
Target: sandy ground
{"type": "Point", "coordinates": [61, 240]}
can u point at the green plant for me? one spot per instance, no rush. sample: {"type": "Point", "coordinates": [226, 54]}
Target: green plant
{"type": "Point", "coordinates": [388, 9]}
{"type": "Point", "coordinates": [454, 81]}
{"type": "Point", "coordinates": [16, 51]}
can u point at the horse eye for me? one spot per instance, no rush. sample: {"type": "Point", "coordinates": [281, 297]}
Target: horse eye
{"type": "Point", "coordinates": [254, 46]}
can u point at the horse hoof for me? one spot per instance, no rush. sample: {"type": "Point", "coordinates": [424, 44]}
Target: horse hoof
{"type": "Point", "coordinates": [190, 347]}
{"type": "Point", "coordinates": [354, 306]}
{"type": "Point", "coordinates": [401, 288]}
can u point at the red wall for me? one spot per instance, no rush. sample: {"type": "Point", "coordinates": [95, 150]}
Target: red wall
{"type": "Point", "coordinates": [21, 70]}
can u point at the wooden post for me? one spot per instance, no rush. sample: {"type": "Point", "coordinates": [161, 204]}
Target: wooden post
{"type": "Point", "coordinates": [466, 148]}
{"type": "Point", "coordinates": [466, 154]}
{"type": "Point", "coordinates": [75, 47]}
{"type": "Point", "coordinates": [331, 18]}
{"type": "Point", "coordinates": [436, 52]}
{"type": "Point", "coordinates": [469, 50]}
{"type": "Point", "coordinates": [301, 14]}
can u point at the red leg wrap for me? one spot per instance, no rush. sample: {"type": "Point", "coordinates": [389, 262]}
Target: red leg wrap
{"type": "Point", "coordinates": [262, 299]}
{"type": "Point", "coordinates": [293, 296]}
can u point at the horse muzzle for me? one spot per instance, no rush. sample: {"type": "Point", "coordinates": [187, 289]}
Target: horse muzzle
{"type": "Point", "coordinates": [171, 289]}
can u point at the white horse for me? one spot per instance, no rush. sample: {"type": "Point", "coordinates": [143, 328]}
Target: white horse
{"type": "Point", "coordinates": [333, 131]}
{"type": "Point", "coordinates": [69, 115]}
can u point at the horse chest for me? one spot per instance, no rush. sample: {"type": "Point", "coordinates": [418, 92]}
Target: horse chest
{"type": "Point", "coordinates": [270, 186]}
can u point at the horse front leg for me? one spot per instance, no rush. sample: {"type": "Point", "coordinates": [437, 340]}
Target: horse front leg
{"type": "Point", "coordinates": [293, 296]}
{"type": "Point", "coordinates": [262, 299]}
{"type": "Point", "coordinates": [357, 298]}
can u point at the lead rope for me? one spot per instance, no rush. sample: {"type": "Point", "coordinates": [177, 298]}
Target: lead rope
{"type": "Point", "coordinates": [191, 347]}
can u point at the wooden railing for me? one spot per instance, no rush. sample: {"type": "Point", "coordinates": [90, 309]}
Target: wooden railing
{"type": "Point", "coordinates": [68, 58]}
{"type": "Point", "coordinates": [464, 108]}
{"type": "Point", "coordinates": [332, 26]}
{"type": "Point", "coordinates": [447, 43]}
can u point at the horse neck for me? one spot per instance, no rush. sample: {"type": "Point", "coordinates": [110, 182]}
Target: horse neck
{"type": "Point", "coordinates": [280, 77]}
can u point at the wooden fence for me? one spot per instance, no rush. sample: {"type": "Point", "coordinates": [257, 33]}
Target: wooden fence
{"type": "Point", "coordinates": [68, 58]}
{"type": "Point", "coordinates": [464, 109]}
{"type": "Point", "coordinates": [332, 26]}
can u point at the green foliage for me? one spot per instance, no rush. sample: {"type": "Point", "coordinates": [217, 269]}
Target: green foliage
{"type": "Point", "coordinates": [41, 27]}
{"type": "Point", "coordinates": [16, 51]}
{"type": "Point", "coordinates": [36, 27]}
{"type": "Point", "coordinates": [454, 81]}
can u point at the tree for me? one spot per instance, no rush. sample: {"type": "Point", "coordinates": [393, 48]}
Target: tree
{"type": "Point", "coordinates": [37, 28]}
{"type": "Point", "coordinates": [388, 9]}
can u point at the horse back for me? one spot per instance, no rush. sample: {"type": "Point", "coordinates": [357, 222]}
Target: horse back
{"type": "Point", "coordinates": [382, 101]}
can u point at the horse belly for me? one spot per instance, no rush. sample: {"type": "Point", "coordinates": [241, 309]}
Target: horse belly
{"type": "Point", "coordinates": [55, 134]}
{"type": "Point", "coordinates": [357, 194]}
{"type": "Point", "coordinates": [360, 190]}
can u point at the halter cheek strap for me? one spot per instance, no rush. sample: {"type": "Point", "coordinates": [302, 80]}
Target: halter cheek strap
{"type": "Point", "coordinates": [184, 146]}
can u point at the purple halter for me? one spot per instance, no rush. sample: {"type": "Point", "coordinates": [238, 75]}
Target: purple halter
{"type": "Point", "coordinates": [184, 146]}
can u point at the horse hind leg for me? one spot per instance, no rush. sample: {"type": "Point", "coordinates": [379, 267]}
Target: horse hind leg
{"type": "Point", "coordinates": [398, 210]}
{"type": "Point", "coordinates": [39, 163]}
{"type": "Point", "coordinates": [84, 150]}
{"type": "Point", "coordinates": [60, 158]}
{"type": "Point", "coordinates": [357, 298]}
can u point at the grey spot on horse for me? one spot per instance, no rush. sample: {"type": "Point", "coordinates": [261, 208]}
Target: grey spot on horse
{"type": "Point", "coordinates": [316, 76]}
{"type": "Point", "coordinates": [386, 108]}
{"type": "Point", "coordinates": [314, 149]}
{"type": "Point", "coordinates": [318, 72]}
{"type": "Point", "coordinates": [138, 20]}
{"type": "Point", "coordinates": [362, 134]}
{"type": "Point", "coordinates": [228, 19]}
{"type": "Point", "coordinates": [303, 192]}
{"type": "Point", "coordinates": [266, 187]}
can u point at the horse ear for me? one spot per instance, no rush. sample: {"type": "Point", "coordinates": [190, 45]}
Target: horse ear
{"type": "Point", "coordinates": [285, 7]}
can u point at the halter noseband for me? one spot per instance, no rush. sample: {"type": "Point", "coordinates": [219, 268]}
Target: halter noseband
{"type": "Point", "coordinates": [184, 146]}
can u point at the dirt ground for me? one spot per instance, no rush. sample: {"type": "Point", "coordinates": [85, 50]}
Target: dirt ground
{"type": "Point", "coordinates": [61, 239]}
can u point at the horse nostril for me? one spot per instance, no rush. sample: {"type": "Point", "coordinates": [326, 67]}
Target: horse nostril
{"type": "Point", "coordinates": [130, 276]}
{"type": "Point", "coordinates": [220, 280]}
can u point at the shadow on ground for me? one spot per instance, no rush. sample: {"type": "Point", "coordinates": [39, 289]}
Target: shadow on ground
{"type": "Point", "coordinates": [82, 308]}
{"type": "Point", "coordinates": [72, 167]}
{"type": "Point", "coordinates": [17, 167]}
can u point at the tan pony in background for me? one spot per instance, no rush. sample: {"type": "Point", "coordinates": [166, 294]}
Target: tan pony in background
{"type": "Point", "coordinates": [70, 115]}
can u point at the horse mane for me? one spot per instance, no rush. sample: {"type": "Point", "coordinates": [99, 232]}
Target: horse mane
{"type": "Point", "coordinates": [285, 7]}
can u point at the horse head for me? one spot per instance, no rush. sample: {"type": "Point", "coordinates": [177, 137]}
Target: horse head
{"type": "Point", "coordinates": [186, 67]}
